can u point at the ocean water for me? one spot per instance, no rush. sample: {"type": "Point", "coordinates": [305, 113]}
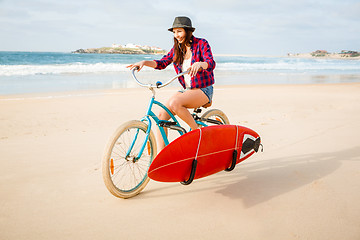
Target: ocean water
{"type": "Point", "coordinates": [34, 72]}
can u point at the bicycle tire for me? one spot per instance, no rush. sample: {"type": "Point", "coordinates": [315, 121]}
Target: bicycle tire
{"type": "Point", "coordinates": [217, 114]}
{"type": "Point", "coordinates": [123, 176]}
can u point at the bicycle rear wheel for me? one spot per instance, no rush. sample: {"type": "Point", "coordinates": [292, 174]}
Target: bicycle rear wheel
{"type": "Point", "coordinates": [215, 114]}
{"type": "Point", "coordinates": [124, 174]}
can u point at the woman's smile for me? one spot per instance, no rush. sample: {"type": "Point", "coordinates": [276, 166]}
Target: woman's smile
{"type": "Point", "coordinates": [179, 34]}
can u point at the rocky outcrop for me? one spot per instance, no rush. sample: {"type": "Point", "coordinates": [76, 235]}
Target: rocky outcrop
{"type": "Point", "coordinates": [109, 50]}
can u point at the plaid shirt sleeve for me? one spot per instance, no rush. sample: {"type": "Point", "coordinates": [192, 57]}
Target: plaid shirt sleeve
{"type": "Point", "coordinates": [165, 61]}
{"type": "Point", "coordinates": [207, 54]}
{"type": "Point", "coordinates": [202, 53]}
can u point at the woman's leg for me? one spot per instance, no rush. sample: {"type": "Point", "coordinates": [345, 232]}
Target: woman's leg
{"type": "Point", "coordinates": [180, 103]}
{"type": "Point", "coordinates": [163, 115]}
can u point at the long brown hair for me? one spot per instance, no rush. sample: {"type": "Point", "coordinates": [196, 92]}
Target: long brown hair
{"type": "Point", "coordinates": [180, 48]}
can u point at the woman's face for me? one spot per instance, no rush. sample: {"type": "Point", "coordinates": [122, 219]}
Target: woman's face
{"type": "Point", "coordinates": [179, 34]}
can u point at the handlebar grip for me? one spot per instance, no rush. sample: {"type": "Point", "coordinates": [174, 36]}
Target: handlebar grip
{"type": "Point", "coordinates": [158, 84]}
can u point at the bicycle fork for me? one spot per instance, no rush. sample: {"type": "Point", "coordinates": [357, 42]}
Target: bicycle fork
{"type": "Point", "coordinates": [143, 145]}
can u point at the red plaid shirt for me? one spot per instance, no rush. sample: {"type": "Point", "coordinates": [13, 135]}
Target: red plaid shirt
{"type": "Point", "coordinates": [201, 52]}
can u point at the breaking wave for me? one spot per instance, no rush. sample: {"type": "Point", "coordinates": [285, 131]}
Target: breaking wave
{"type": "Point", "coordinates": [77, 68]}
{"type": "Point", "coordinates": [223, 64]}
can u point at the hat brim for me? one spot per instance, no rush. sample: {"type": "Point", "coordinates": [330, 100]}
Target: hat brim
{"type": "Point", "coordinates": [190, 28]}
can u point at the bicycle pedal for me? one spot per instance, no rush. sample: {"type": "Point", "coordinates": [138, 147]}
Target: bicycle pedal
{"type": "Point", "coordinates": [166, 123]}
{"type": "Point", "coordinates": [197, 110]}
{"type": "Point", "coordinates": [196, 117]}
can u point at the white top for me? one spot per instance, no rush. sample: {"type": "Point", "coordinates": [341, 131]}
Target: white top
{"type": "Point", "coordinates": [185, 66]}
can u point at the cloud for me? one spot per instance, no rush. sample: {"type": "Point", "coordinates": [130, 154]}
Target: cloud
{"type": "Point", "coordinates": [237, 26]}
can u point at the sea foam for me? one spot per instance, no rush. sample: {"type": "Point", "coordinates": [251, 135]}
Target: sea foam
{"type": "Point", "coordinates": [23, 70]}
{"type": "Point", "coordinates": [286, 65]}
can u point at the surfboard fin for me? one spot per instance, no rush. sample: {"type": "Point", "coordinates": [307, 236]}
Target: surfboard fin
{"type": "Point", "coordinates": [192, 173]}
{"type": "Point", "coordinates": [258, 144]}
{"type": "Point", "coordinates": [233, 161]}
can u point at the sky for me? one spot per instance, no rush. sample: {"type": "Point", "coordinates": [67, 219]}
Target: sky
{"type": "Point", "coordinates": [259, 27]}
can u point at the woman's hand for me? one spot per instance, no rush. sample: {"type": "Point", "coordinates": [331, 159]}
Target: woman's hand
{"type": "Point", "coordinates": [198, 66]}
{"type": "Point", "coordinates": [139, 65]}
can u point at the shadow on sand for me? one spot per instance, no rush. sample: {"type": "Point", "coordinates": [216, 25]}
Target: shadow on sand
{"type": "Point", "coordinates": [260, 181]}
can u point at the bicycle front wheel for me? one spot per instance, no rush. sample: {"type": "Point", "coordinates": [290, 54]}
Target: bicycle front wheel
{"type": "Point", "coordinates": [124, 172]}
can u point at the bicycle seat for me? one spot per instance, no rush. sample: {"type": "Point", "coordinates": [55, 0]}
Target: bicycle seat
{"type": "Point", "coordinates": [207, 105]}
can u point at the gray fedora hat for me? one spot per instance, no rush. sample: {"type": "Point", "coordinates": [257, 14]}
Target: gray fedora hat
{"type": "Point", "coordinates": [182, 22]}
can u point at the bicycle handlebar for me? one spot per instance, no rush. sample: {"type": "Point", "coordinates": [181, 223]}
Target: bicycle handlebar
{"type": "Point", "coordinates": [158, 84]}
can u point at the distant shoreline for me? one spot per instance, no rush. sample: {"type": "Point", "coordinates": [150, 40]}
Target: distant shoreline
{"type": "Point", "coordinates": [338, 56]}
{"type": "Point", "coordinates": [110, 50]}
{"type": "Point", "coordinates": [151, 52]}
{"type": "Point", "coordinates": [348, 55]}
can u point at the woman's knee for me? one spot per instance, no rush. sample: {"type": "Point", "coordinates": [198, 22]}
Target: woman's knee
{"type": "Point", "coordinates": [163, 115]}
{"type": "Point", "coordinates": [174, 104]}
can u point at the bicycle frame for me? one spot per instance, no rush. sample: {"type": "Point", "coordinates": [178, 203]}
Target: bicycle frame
{"type": "Point", "coordinates": [150, 114]}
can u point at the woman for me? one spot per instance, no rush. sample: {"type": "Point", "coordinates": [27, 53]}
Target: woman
{"type": "Point", "coordinates": [188, 53]}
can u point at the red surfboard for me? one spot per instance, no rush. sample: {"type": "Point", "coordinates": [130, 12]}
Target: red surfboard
{"type": "Point", "coordinates": [203, 152]}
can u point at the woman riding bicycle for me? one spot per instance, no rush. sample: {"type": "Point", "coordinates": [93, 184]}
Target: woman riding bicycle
{"type": "Point", "coordinates": [188, 53]}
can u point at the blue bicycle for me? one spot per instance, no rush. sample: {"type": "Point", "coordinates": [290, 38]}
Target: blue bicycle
{"type": "Point", "coordinates": [132, 147]}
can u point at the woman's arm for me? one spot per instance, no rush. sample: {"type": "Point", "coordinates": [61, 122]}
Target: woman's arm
{"type": "Point", "coordinates": [165, 61]}
{"type": "Point", "coordinates": [208, 60]}
{"type": "Point", "coordinates": [157, 64]}
{"type": "Point", "coordinates": [198, 66]}
{"type": "Point", "coordinates": [207, 55]}
{"type": "Point", "coordinates": [140, 64]}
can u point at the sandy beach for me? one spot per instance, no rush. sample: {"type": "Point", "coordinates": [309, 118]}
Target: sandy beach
{"type": "Point", "coordinates": [305, 185]}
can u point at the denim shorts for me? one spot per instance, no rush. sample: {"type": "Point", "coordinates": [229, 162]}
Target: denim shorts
{"type": "Point", "coordinates": [209, 91]}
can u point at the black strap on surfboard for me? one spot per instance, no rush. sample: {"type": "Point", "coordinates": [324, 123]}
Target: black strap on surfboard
{"type": "Point", "coordinates": [192, 173]}
{"type": "Point", "coordinates": [235, 153]}
{"type": "Point", "coordinates": [233, 161]}
{"type": "Point", "coordinates": [194, 164]}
